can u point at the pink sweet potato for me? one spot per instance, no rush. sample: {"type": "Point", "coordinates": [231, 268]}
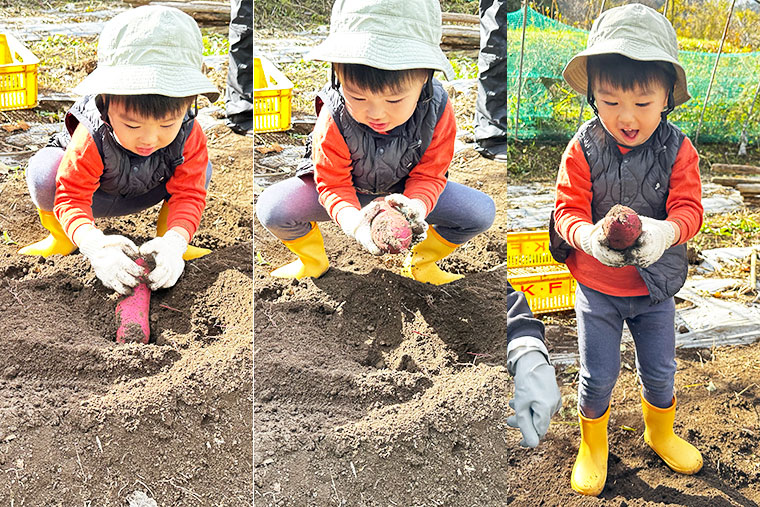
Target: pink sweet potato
{"type": "Point", "coordinates": [133, 313]}
{"type": "Point", "coordinates": [390, 230]}
{"type": "Point", "coordinates": [621, 227]}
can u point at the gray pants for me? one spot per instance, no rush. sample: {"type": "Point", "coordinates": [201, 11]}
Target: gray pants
{"type": "Point", "coordinates": [40, 178]}
{"type": "Point", "coordinates": [491, 105]}
{"type": "Point", "coordinates": [600, 327]}
{"type": "Point", "coordinates": [287, 207]}
{"type": "Point", "coordinates": [239, 97]}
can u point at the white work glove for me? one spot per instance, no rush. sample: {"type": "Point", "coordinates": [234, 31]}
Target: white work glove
{"type": "Point", "coordinates": [591, 239]}
{"type": "Point", "coordinates": [111, 258]}
{"type": "Point", "coordinates": [167, 251]}
{"type": "Point", "coordinates": [414, 210]}
{"type": "Point", "coordinates": [536, 397]}
{"type": "Point", "coordinates": [656, 237]}
{"type": "Point", "coordinates": [357, 224]}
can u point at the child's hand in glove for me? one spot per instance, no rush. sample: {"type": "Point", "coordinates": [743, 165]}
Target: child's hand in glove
{"type": "Point", "coordinates": [357, 224]}
{"type": "Point", "coordinates": [167, 251]}
{"type": "Point", "coordinates": [591, 239]}
{"type": "Point", "coordinates": [656, 237]}
{"type": "Point", "coordinates": [414, 210]}
{"type": "Point", "coordinates": [111, 258]}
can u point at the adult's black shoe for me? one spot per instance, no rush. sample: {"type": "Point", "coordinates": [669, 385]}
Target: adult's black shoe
{"type": "Point", "coordinates": [241, 124]}
{"type": "Point", "coordinates": [493, 151]}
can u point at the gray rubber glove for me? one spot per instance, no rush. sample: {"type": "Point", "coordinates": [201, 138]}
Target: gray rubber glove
{"type": "Point", "coordinates": [591, 239]}
{"type": "Point", "coordinates": [414, 210]}
{"type": "Point", "coordinates": [357, 224]}
{"type": "Point", "coordinates": [167, 251]}
{"type": "Point", "coordinates": [656, 237]}
{"type": "Point", "coordinates": [111, 258]}
{"type": "Point", "coordinates": [536, 397]}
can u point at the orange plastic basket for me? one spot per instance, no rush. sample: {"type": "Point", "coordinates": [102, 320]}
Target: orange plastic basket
{"type": "Point", "coordinates": [547, 284]}
{"type": "Point", "coordinates": [271, 97]}
{"type": "Point", "coordinates": [18, 75]}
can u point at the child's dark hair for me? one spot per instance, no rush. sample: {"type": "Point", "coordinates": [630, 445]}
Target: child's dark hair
{"type": "Point", "coordinates": [625, 73]}
{"type": "Point", "coordinates": [378, 80]}
{"type": "Point", "coordinates": [149, 105]}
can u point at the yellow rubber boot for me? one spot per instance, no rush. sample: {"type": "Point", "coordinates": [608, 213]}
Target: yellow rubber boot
{"type": "Point", "coordinates": [312, 259]}
{"type": "Point", "coordinates": [677, 453]}
{"type": "Point", "coordinates": [56, 243]}
{"type": "Point", "coordinates": [420, 262]}
{"type": "Point", "coordinates": [192, 252]}
{"type": "Point", "coordinates": [590, 469]}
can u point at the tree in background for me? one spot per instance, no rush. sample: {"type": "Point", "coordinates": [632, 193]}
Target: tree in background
{"type": "Point", "coordinates": [694, 19]}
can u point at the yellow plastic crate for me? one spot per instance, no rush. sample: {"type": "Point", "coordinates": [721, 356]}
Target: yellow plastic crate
{"type": "Point", "coordinates": [18, 75]}
{"type": "Point", "coordinates": [547, 284]}
{"type": "Point", "coordinates": [547, 288]}
{"type": "Point", "coordinates": [271, 97]}
{"type": "Point", "coordinates": [529, 249]}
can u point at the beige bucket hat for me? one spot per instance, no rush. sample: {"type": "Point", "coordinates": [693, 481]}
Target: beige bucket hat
{"type": "Point", "coordinates": [385, 34]}
{"type": "Point", "coordinates": [150, 50]}
{"type": "Point", "coordinates": [636, 31]}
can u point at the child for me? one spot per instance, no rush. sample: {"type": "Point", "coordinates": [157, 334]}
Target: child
{"type": "Point", "coordinates": [385, 129]}
{"type": "Point", "coordinates": [130, 143]}
{"type": "Point", "coordinates": [628, 154]}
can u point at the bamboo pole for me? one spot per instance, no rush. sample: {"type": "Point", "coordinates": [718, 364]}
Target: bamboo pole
{"type": "Point", "coordinates": [715, 68]}
{"type": "Point", "coordinates": [519, 72]}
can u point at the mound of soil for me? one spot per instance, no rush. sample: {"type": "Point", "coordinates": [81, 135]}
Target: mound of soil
{"type": "Point", "coordinates": [86, 421]}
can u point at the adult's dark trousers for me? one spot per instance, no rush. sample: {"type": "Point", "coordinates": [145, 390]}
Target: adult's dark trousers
{"type": "Point", "coordinates": [491, 106]}
{"type": "Point", "coordinates": [239, 98]}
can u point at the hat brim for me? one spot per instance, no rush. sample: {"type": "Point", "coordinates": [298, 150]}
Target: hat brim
{"type": "Point", "coordinates": [576, 76]}
{"type": "Point", "coordinates": [382, 52]}
{"type": "Point", "coordinates": [143, 80]}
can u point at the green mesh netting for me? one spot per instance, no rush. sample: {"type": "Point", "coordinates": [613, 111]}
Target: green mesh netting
{"type": "Point", "coordinates": [550, 109]}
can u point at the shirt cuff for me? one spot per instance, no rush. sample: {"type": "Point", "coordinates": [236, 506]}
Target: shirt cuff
{"type": "Point", "coordinates": [520, 346]}
{"type": "Point", "coordinates": [76, 224]}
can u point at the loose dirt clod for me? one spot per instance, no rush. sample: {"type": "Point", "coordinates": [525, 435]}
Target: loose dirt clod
{"type": "Point", "coordinates": [391, 231]}
{"type": "Point", "coordinates": [133, 312]}
{"type": "Point", "coordinates": [621, 227]}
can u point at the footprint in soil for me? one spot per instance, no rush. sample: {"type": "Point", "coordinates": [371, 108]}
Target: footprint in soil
{"type": "Point", "coordinates": [15, 271]}
{"type": "Point", "coordinates": [268, 293]}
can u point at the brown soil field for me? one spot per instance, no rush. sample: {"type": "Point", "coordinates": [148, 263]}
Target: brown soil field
{"type": "Point", "coordinates": [376, 390]}
{"type": "Point", "coordinates": [84, 421]}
